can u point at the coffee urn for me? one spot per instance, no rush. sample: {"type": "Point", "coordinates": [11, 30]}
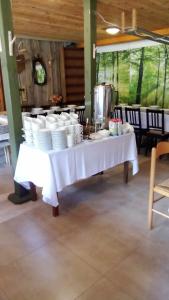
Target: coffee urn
{"type": "Point", "coordinates": [103, 104]}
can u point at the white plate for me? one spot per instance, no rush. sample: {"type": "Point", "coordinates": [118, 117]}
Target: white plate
{"type": "Point", "coordinates": [136, 105]}
{"type": "Point", "coordinates": [154, 107]}
{"type": "Point", "coordinates": [71, 106]}
{"type": "Point", "coordinates": [104, 132]}
{"type": "Point", "coordinates": [95, 136]}
{"type": "Point", "coordinates": [80, 107]}
{"type": "Point", "coordinates": [123, 104]}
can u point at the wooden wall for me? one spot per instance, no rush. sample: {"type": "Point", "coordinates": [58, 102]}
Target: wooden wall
{"type": "Point", "coordinates": [72, 79]}
{"type": "Point", "coordinates": [50, 52]}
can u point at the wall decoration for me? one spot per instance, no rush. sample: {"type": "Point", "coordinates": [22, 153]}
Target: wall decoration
{"type": "Point", "coordinates": [139, 75]}
{"type": "Point", "coordinates": [39, 71]}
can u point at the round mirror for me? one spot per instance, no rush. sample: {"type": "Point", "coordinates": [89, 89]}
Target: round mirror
{"type": "Point", "coordinates": [39, 71]}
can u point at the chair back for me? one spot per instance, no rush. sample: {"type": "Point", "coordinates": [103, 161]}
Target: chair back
{"type": "Point", "coordinates": [133, 116]}
{"type": "Point", "coordinates": [162, 188]}
{"type": "Point", "coordinates": [80, 112]}
{"type": "Point", "coordinates": [117, 113]}
{"type": "Point", "coordinates": [162, 148]}
{"type": "Point", "coordinates": [155, 119]}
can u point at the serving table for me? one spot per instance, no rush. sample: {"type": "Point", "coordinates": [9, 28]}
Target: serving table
{"type": "Point", "coordinates": [54, 170]}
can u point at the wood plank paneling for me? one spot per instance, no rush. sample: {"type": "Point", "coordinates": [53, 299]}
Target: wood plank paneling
{"type": "Point", "coordinates": [73, 74]}
{"type": "Point", "coordinates": [50, 53]}
{"type": "Point", "coordinates": [63, 20]}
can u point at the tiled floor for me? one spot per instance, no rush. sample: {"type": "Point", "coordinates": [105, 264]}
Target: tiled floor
{"type": "Point", "coordinates": [99, 248]}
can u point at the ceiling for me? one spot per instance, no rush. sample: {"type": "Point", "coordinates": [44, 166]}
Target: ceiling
{"type": "Point", "coordinates": [63, 19]}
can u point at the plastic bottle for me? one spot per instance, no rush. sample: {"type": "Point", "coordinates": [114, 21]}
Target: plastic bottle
{"type": "Point", "coordinates": [119, 127]}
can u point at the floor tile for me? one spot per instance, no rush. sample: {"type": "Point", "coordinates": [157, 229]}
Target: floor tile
{"type": "Point", "coordinates": [104, 290]}
{"type": "Point", "coordinates": [143, 275]}
{"type": "Point", "coordinates": [52, 272]}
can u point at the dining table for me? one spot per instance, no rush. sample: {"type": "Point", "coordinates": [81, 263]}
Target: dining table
{"type": "Point", "coordinates": [53, 170]}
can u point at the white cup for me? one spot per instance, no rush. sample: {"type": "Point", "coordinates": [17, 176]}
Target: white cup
{"type": "Point", "coordinates": [74, 121]}
{"type": "Point", "coordinates": [37, 124]}
{"type": "Point", "coordinates": [52, 125]}
{"type": "Point", "coordinates": [70, 140]}
{"type": "Point", "coordinates": [67, 122]}
{"type": "Point", "coordinates": [61, 123]}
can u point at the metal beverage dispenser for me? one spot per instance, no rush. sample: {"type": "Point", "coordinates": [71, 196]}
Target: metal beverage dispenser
{"type": "Point", "coordinates": [103, 104]}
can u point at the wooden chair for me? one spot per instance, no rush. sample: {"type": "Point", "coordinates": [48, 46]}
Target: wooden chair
{"type": "Point", "coordinates": [161, 188]}
{"type": "Point", "coordinates": [155, 128]}
{"type": "Point", "coordinates": [117, 113]}
{"type": "Point", "coordinates": [133, 117]}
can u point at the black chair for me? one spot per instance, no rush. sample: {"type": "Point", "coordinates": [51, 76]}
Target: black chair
{"type": "Point", "coordinates": [80, 112]}
{"type": "Point", "coordinates": [117, 113]}
{"type": "Point", "coordinates": [155, 128]}
{"type": "Point", "coordinates": [133, 117]}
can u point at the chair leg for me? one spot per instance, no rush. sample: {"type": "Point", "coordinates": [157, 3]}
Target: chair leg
{"type": "Point", "coordinates": [139, 142]}
{"type": "Point", "coordinates": [150, 144]}
{"type": "Point", "coordinates": [147, 145]}
{"type": "Point", "coordinates": [6, 152]}
{"type": "Point", "coordinates": [7, 155]}
{"type": "Point", "coordinates": [150, 207]}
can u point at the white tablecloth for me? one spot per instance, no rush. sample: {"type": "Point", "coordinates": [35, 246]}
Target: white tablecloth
{"type": "Point", "coordinates": [54, 170]}
{"type": "Point", "coordinates": [4, 136]}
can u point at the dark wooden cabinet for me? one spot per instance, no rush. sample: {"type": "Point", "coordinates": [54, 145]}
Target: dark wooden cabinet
{"type": "Point", "coordinates": [72, 75]}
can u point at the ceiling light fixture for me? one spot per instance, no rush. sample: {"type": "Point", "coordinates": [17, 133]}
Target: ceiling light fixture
{"type": "Point", "coordinates": [112, 30]}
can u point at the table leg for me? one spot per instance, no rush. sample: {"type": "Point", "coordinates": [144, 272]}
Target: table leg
{"type": "Point", "coordinates": [126, 171]}
{"type": "Point", "coordinates": [33, 191]}
{"type": "Point", "coordinates": [55, 211]}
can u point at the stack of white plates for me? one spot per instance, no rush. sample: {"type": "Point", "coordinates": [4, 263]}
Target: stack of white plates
{"type": "Point", "coordinates": [42, 139]}
{"type": "Point", "coordinates": [28, 136]}
{"type": "Point", "coordinates": [59, 139]}
{"type": "Point", "coordinates": [78, 129]}
{"type": "Point", "coordinates": [27, 123]}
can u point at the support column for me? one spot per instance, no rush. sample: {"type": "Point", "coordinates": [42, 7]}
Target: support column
{"type": "Point", "coordinates": [89, 51]}
{"type": "Point", "coordinates": [10, 81]}
{"type": "Point", "coordinates": [11, 91]}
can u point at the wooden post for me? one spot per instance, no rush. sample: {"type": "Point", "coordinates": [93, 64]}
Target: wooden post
{"type": "Point", "coordinates": [11, 91]}
{"type": "Point", "coordinates": [89, 53]}
{"type": "Point", "coordinates": [10, 81]}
